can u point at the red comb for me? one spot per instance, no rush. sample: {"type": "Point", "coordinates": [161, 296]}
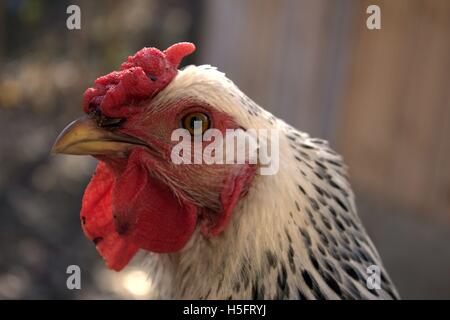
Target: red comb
{"type": "Point", "coordinates": [175, 53]}
{"type": "Point", "coordinates": [141, 77]}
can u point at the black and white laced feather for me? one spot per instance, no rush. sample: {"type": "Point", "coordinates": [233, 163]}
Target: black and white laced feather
{"type": "Point", "coordinates": [295, 235]}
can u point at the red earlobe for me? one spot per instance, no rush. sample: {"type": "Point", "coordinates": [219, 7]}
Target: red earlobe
{"type": "Point", "coordinates": [235, 187]}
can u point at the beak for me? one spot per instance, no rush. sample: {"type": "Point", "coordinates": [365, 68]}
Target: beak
{"type": "Point", "coordinates": [84, 137]}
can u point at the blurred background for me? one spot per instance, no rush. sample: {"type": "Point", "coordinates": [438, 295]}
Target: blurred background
{"type": "Point", "coordinates": [381, 97]}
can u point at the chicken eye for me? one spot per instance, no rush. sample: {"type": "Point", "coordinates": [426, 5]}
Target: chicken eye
{"type": "Point", "coordinates": [195, 120]}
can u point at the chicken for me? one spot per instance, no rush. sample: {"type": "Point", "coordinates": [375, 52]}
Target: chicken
{"type": "Point", "coordinates": [215, 231]}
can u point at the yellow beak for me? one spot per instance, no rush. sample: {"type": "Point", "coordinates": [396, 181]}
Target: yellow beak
{"type": "Point", "coordinates": [84, 137]}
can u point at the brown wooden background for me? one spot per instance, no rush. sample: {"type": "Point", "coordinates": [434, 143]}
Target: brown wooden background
{"type": "Point", "coordinates": [395, 130]}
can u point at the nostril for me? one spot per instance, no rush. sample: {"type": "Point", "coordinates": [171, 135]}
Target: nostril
{"type": "Point", "coordinates": [111, 123]}
{"type": "Point", "coordinates": [104, 121]}
{"type": "Point", "coordinates": [92, 107]}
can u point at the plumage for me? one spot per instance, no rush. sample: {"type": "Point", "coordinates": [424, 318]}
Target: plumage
{"type": "Point", "coordinates": [295, 235]}
{"type": "Point", "coordinates": [216, 232]}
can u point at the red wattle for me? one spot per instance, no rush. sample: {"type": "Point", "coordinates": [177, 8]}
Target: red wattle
{"type": "Point", "coordinates": [234, 189]}
{"type": "Point", "coordinates": [97, 220]}
{"type": "Point", "coordinates": [124, 210]}
{"type": "Point", "coordinates": [147, 213]}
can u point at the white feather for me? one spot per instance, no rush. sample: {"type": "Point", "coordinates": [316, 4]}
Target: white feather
{"type": "Point", "coordinates": [266, 216]}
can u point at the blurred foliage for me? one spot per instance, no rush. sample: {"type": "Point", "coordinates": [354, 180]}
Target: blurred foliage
{"type": "Point", "coordinates": [45, 70]}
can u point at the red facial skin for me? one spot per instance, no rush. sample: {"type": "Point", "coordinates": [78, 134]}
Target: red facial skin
{"type": "Point", "coordinates": [127, 205]}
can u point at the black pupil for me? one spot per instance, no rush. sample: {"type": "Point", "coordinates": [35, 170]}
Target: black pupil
{"type": "Point", "coordinates": [193, 119]}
